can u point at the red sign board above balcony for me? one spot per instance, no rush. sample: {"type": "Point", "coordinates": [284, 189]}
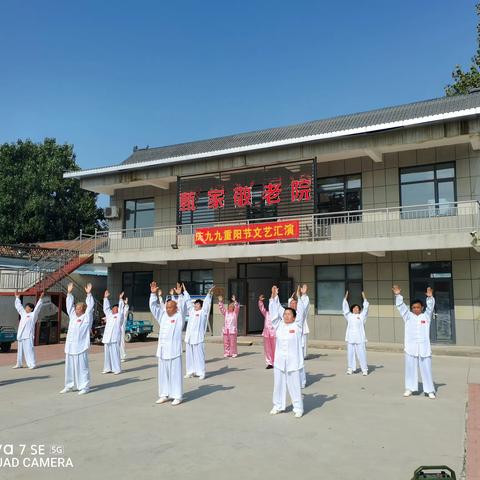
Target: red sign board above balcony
{"type": "Point", "coordinates": [255, 232]}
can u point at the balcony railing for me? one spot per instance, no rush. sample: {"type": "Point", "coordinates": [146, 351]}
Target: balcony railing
{"type": "Point", "coordinates": [380, 222]}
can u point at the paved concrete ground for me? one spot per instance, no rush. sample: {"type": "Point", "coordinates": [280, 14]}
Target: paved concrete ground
{"type": "Point", "coordinates": [354, 426]}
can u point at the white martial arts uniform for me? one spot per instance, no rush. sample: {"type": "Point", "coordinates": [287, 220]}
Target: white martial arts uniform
{"type": "Point", "coordinates": [304, 310]}
{"type": "Point", "coordinates": [289, 359]}
{"type": "Point", "coordinates": [195, 336]}
{"type": "Point", "coordinates": [355, 336]}
{"type": "Point", "coordinates": [77, 373]}
{"type": "Point", "coordinates": [169, 350]}
{"type": "Point", "coordinates": [26, 333]}
{"type": "Point", "coordinates": [418, 353]}
{"type": "Point", "coordinates": [112, 336]}
{"type": "Point", "coordinates": [123, 350]}
{"type": "Point", "coordinates": [306, 330]}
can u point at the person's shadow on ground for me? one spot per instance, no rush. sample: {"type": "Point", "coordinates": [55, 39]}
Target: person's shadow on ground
{"type": "Point", "coordinates": [311, 401]}
{"type": "Point", "coordinates": [205, 390]}
{"type": "Point", "coordinates": [311, 379]}
{"type": "Point", "coordinates": [312, 356]}
{"type": "Point", "coordinates": [118, 383]}
{"type": "Point", "coordinates": [141, 367]}
{"type": "Point", "coordinates": [24, 379]}
{"type": "Point", "coordinates": [223, 370]}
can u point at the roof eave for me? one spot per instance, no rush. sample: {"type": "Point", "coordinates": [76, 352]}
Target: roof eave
{"type": "Point", "coordinates": [278, 143]}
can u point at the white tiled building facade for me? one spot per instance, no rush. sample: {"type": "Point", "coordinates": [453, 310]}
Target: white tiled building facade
{"type": "Point", "coordinates": [395, 199]}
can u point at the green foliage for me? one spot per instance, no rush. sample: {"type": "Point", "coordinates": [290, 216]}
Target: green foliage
{"type": "Point", "coordinates": [464, 81]}
{"type": "Point", "coordinates": [36, 203]}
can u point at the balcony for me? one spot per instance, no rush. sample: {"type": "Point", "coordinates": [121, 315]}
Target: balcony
{"type": "Point", "coordinates": [433, 226]}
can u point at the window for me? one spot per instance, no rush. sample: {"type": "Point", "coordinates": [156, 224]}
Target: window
{"type": "Point", "coordinates": [431, 185]}
{"type": "Point", "coordinates": [139, 214]}
{"type": "Point", "coordinates": [197, 282]}
{"type": "Point", "coordinates": [202, 214]}
{"type": "Point", "coordinates": [332, 282]}
{"type": "Point", "coordinates": [136, 286]}
{"type": "Point", "coordinates": [259, 208]}
{"type": "Point", "coordinates": [340, 194]}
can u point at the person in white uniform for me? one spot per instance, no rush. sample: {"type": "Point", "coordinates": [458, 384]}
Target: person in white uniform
{"type": "Point", "coordinates": [418, 352]}
{"type": "Point", "coordinates": [26, 331]}
{"type": "Point", "coordinates": [198, 313]}
{"type": "Point", "coordinates": [288, 325]}
{"type": "Point", "coordinates": [112, 334]}
{"type": "Point", "coordinates": [301, 296]}
{"type": "Point", "coordinates": [306, 330]}
{"type": "Point", "coordinates": [77, 372]}
{"type": "Point", "coordinates": [169, 350]}
{"type": "Point", "coordinates": [123, 350]}
{"type": "Point", "coordinates": [356, 318]}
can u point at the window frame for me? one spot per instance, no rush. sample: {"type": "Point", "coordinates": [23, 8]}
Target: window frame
{"type": "Point", "coordinates": [435, 181]}
{"type": "Point", "coordinates": [345, 178]}
{"type": "Point", "coordinates": [346, 283]}
{"type": "Point", "coordinates": [203, 283]}
{"type": "Point", "coordinates": [135, 228]}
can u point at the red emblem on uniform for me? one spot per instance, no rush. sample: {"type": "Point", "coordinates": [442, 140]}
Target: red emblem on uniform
{"type": "Point", "coordinates": [291, 331]}
{"type": "Point", "coordinates": [423, 321]}
{"type": "Point", "coordinates": [172, 321]}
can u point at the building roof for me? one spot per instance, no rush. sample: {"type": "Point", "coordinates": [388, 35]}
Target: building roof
{"type": "Point", "coordinates": [410, 114]}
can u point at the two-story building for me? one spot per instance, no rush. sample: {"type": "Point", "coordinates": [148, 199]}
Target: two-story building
{"type": "Point", "coordinates": [355, 202]}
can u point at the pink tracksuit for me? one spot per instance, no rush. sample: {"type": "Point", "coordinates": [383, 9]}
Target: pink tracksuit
{"type": "Point", "coordinates": [229, 330]}
{"type": "Point", "coordinates": [268, 335]}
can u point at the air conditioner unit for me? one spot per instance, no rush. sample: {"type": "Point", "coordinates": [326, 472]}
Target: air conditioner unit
{"type": "Point", "coordinates": [112, 212]}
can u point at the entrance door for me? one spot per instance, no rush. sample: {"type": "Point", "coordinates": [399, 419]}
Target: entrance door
{"type": "Point", "coordinates": [437, 275]}
{"type": "Point", "coordinates": [259, 278]}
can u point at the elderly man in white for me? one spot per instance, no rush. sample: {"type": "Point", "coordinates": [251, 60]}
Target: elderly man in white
{"type": "Point", "coordinates": [26, 331]}
{"type": "Point", "coordinates": [112, 334]}
{"type": "Point", "coordinates": [198, 313]}
{"type": "Point", "coordinates": [77, 372]}
{"type": "Point", "coordinates": [356, 318]}
{"type": "Point", "coordinates": [418, 353]}
{"type": "Point", "coordinates": [289, 361]}
{"type": "Point", "coordinates": [169, 350]}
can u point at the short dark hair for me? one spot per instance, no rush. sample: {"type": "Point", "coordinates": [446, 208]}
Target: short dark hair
{"type": "Point", "coordinates": [113, 306]}
{"type": "Point", "coordinates": [414, 301]}
{"type": "Point", "coordinates": [355, 305]}
{"type": "Point", "coordinates": [31, 305]}
{"type": "Point", "coordinates": [294, 312]}
{"type": "Point", "coordinates": [199, 301]}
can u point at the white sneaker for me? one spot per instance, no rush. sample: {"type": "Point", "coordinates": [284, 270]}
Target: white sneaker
{"type": "Point", "coordinates": [188, 375]}
{"type": "Point", "coordinates": [83, 392]}
{"type": "Point", "coordinates": [117, 373]}
{"type": "Point", "coordinates": [177, 401]}
{"type": "Point", "coordinates": [274, 411]}
{"type": "Point", "coordinates": [66, 390]}
{"type": "Point", "coordinates": [17, 366]}
{"type": "Point", "coordinates": [298, 414]}
{"type": "Point", "coordinates": [105, 371]}
{"type": "Point", "coordinates": [32, 367]}
{"type": "Point", "coordinates": [201, 377]}
{"type": "Point", "coordinates": [349, 371]}
{"type": "Point", "coordinates": [162, 400]}
{"type": "Point", "coordinates": [432, 395]}
{"type": "Point", "coordinates": [364, 373]}
{"type": "Point", "coordinates": [234, 355]}
{"type": "Point", "coordinates": [407, 393]}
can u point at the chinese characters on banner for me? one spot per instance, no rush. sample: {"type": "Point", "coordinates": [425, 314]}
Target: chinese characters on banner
{"type": "Point", "coordinates": [300, 191]}
{"type": "Point", "coordinates": [256, 232]}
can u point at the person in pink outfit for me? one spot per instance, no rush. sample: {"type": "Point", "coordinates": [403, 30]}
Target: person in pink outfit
{"type": "Point", "coordinates": [268, 334]}
{"type": "Point", "coordinates": [230, 326]}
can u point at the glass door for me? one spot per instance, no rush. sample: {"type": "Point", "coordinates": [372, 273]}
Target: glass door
{"type": "Point", "coordinates": [437, 275]}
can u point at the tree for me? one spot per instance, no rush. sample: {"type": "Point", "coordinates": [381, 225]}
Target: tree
{"type": "Point", "coordinates": [36, 203]}
{"type": "Point", "coordinates": [464, 82]}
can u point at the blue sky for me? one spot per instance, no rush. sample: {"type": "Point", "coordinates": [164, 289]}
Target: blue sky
{"type": "Point", "coordinates": [107, 75]}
